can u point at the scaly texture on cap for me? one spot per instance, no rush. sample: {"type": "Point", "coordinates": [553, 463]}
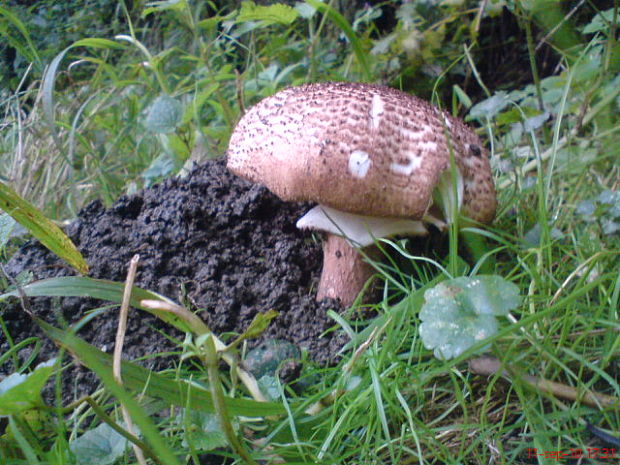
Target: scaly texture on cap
{"type": "Point", "coordinates": [359, 148]}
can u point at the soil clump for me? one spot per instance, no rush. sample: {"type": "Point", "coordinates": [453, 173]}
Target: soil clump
{"type": "Point", "coordinates": [210, 240]}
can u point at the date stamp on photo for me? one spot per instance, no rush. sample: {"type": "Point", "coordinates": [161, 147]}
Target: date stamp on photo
{"type": "Point", "coordinates": [600, 453]}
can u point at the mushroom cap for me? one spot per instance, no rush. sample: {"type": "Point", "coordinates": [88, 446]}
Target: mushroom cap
{"type": "Point", "coordinates": [360, 148]}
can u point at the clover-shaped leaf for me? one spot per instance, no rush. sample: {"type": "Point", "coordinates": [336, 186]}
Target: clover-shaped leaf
{"type": "Point", "coordinates": [460, 312]}
{"type": "Point", "coordinates": [202, 430]}
{"type": "Point", "coordinates": [163, 115]}
{"type": "Point", "coordinates": [611, 201]}
{"type": "Point", "coordinates": [99, 446]}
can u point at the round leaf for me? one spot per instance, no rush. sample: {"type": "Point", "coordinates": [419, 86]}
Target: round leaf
{"type": "Point", "coordinates": [267, 357]}
{"type": "Point", "coordinates": [461, 312]}
{"type": "Point", "coordinates": [164, 115]}
{"type": "Point", "coordinates": [99, 446]}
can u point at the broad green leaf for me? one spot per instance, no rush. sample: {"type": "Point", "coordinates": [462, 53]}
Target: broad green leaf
{"type": "Point", "coordinates": [160, 167]}
{"type": "Point", "coordinates": [276, 13]}
{"type": "Point", "coordinates": [79, 286]}
{"type": "Point", "coordinates": [203, 431]}
{"type": "Point", "coordinates": [20, 392]}
{"type": "Point", "coordinates": [140, 380]}
{"type": "Point", "coordinates": [534, 122]}
{"type": "Point", "coordinates": [383, 45]}
{"type": "Point", "coordinates": [610, 227]}
{"type": "Point", "coordinates": [50, 235]}
{"type": "Point", "coordinates": [533, 237]}
{"type": "Point", "coordinates": [164, 115]}
{"type": "Point", "coordinates": [268, 385]}
{"type": "Point", "coordinates": [305, 11]}
{"type": "Point", "coordinates": [460, 312]}
{"type": "Point", "coordinates": [7, 223]}
{"type": "Point", "coordinates": [490, 107]}
{"type": "Point", "coordinates": [99, 446]}
{"type": "Point", "coordinates": [586, 209]}
{"type": "Point", "coordinates": [604, 208]}
{"type": "Point", "coordinates": [206, 90]}
{"type": "Point", "coordinates": [602, 21]}
{"type": "Point", "coordinates": [267, 357]}
{"type": "Point", "coordinates": [611, 201]}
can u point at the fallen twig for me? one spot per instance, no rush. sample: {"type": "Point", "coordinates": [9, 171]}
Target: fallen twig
{"type": "Point", "coordinates": [487, 365]}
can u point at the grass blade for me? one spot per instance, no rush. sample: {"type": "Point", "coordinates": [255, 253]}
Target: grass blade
{"type": "Point", "coordinates": [93, 359]}
{"type": "Point", "coordinates": [50, 235]}
{"type": "Point", "coordinates": [348, 31]}
{"type": "Point", "coordinates": [81, 286]}
{"type": "Point", "coordinates": [29, 52]}
{"type": "Point", "coordinates": [139, 379]}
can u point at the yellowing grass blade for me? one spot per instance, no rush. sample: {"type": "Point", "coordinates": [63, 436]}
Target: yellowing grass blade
{"type": "Point", "coordinates": [50, 235]}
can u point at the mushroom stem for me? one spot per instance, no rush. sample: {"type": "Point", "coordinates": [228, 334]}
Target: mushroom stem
{"type": "Point", "coordinates": [344, 270]}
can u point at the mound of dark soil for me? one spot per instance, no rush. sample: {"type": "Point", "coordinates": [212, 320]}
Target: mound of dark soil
{"type": "Point", "coordinates": [227, 247]}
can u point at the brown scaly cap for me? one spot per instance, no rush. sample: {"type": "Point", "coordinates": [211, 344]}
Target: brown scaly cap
{"type": "Point", "coordinates": [359, 148]}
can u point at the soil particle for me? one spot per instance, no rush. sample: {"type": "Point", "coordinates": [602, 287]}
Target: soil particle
{"type": "Point", "coordinates": [210, 240]}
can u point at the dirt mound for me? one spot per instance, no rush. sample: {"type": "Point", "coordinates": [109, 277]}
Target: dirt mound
{"type": "Point", "coordinates": [210, 240]}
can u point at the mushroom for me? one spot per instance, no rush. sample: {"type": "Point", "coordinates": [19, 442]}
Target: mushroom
{"type": "Point", "coordinates": [376, 161]}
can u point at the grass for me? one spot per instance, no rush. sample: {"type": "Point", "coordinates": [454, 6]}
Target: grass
{"type": "Point", "coordinates": [389, 400]}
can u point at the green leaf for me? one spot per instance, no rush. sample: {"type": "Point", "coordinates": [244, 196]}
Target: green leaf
{"type": "Point", "coordinates": [203, 431]}
{"type": "Point", "coordinates": [6, 228]}
{"type": "Point", "coordinates": [462, 96]}
{"type": "Point", "coordinates": [460, 312]}
{"type": "Point", "coordinates": [164, 115]}
{"type": "Point", "coordinates": [490, 107]}
{"type": "Point", "coordinates": [160, 167]}
{"type": "Point", "coordinates": [268, 385]}
{"type": "Point", "coordinates": [305, 11]}
{"type": "Point", "coordinates": [99, 446]}
{"type": "Point", "coordinates": [276, 13]}
{"type": "Point", "coordinates": [266, 358]}
{"type": "Point", "coordinates": [533, 237]}
{"type": "Point", "coordinates": [610, 200]}
{"type": "Point", "coordinates": [535, 122]}
{"type": "Point", "coordinates": [50, 235]}
{"type": "Point", "coordinates": [605, 208]}
{"type": "Point", "coordinates": [602, 21]}
{"type": "Point", "coordinates": [80, 286]}
{"type": "Point", "coordinates": [259, 324]}
{"type": "Point", "coordinates": [19, 392]}
{"type": "Point", "coordinates": [47, 88]}
{"type": "Point", "coordinates": [93, 42]}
